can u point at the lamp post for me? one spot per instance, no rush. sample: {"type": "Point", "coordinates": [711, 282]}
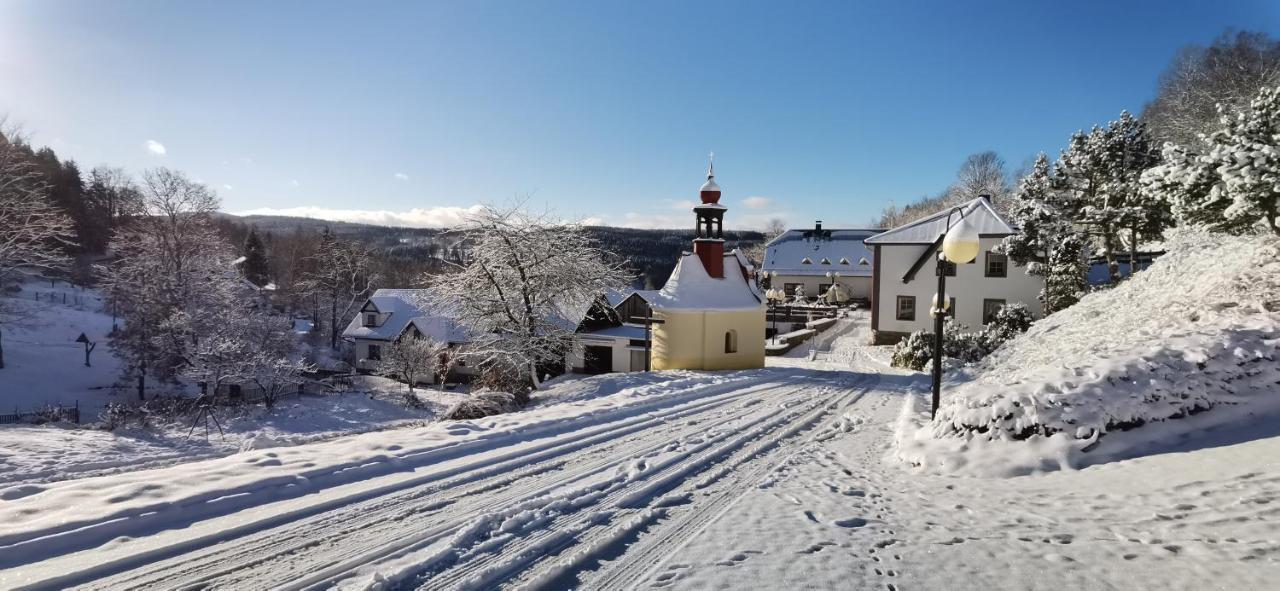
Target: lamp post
{"type": "Point", "coordinates": [959, 246]}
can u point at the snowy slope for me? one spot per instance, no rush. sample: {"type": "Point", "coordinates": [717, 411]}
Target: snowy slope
{"type": "Point", "coordinates": [43, 363]}
{"type": "Point", "coordinates": [1198, 331]}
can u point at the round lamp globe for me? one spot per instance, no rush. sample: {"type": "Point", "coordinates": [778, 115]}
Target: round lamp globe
{"type": "Point", "coordinates": [961, 244]}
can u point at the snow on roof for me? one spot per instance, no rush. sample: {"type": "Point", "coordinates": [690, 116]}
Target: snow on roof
{"type": "Point", "coordinates": [617, 297]}
{"type": "Point", "coordinates": [691, 288]}
{"type": "Point", "coordinates": [843, 251]}
{"type": "Point", "coordinates": [927, 229]}
{"type": "Point", "coordinates": [619, 332]}
{"type": "Point", "coordinates": [710, 185]}
{"type": "Point", "coordinates": [397, 309]}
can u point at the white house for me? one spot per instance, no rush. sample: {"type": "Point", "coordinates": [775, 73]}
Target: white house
{"type": "Point", "coordinates": [391, 313]}
{"type": "Point", "coordinates": [804, 258]}
{"type": "Point", "coordinates": [904, 281]}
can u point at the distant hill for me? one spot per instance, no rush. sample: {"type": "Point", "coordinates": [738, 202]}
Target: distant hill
{"type": "Point", "coordinates": [652, 253]}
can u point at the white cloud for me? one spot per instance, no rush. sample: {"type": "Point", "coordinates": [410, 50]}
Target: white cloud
{"type": "Point", "coordinates": [401, 176]}
{"type": "Point", "coordinates": [757, 202]}
{"type": "Point", "coordinates": [294, 183]}
{"type": "Point", "coordinates": [228, 187]}
{"type": "Point", "coordinates": [156, 148]}
{"type": "Point", "coordinates": [434, 217]}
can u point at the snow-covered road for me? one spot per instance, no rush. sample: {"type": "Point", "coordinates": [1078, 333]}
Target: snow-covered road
{"type": "Point", "coordinates": [785, 477]}
{"type": "Point", "coordinates": [537, 512]}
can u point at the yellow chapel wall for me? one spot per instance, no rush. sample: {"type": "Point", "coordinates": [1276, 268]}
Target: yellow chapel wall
{"type": "Point", "coordinates": [695, 339]}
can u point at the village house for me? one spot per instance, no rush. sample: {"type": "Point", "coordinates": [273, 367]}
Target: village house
{"type": "Point", "coordinates": [811, 261]}
{"type": "Point", "coordinates": [904, 281]}
{"type": "Point", "coordinates": [606, 344]}
{"type": "Point", "coordinates": [711, 314]}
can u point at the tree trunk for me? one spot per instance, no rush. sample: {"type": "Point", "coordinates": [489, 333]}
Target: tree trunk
{"type": "Point", "coordinates": [1109, 246]}
{"type": "Point", "coordinates": [1133, 251]}
{"type": "Point", "coordinates": [142, 382]}
{"type": "Point", "coordinates": [333, 323]}
{"type": "Point", "coordinates": [533, 373]}
{"type": "Point", "coordinates": [1, 349]}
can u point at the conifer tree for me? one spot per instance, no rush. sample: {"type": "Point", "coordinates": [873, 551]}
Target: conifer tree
{"type": "Point", "coordinates": [255, 266]}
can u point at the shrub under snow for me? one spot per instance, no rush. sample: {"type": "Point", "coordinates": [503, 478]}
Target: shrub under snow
{"type": "Point", "coordinates": [1200, 328]}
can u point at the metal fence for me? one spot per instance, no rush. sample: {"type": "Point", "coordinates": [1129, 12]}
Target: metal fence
{"type": "Point", "coordinates": [48, 414]}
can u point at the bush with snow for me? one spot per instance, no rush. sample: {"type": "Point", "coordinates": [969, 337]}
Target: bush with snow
{"type": "Point", "coordinates": [1199, 329]}
{"type": "Point", "coordinates": [482, 404]}
{"type": "Point", "coordinates": [916, 351]}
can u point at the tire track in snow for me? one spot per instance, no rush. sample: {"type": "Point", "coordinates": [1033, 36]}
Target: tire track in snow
{"type": "Point", "coordinates": [362, 530]}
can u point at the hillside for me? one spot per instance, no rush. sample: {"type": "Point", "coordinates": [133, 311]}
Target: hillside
{"type": "Point", "coordinates": [1189, 344]}
{"type": "Point", "coordinates": [652, 253]}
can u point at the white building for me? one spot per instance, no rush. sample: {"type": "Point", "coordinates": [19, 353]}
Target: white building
{"type": "Point", "coordinates": [804, 258]}
{"type": "Point", "coordinates": [391, 313]}
{"type": "Point", "coordinates": [904, 280]}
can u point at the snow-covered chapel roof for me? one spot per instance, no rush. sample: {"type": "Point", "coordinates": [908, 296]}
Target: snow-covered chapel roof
{"type": "Point", "coordinates": [926, 230]}
{"type": "Point", "coordinates": [691, 288]}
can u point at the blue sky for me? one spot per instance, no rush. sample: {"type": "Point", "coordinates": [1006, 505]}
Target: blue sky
{"type": "Point", "coordinates": [602, 110]}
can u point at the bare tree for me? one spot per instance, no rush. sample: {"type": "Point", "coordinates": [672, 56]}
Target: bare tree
{"type": "Point", "coordinates": [1230, 72]}
{"type": "Point", "coordinates": [34, 234]}
{"type": "Point", "coordinates": [412, 359]}
{"type": "Point", "coordinates": [982, 173]}
{"type": "Point", "coordinates": [341, 276]}
{"type": "Point", "coordinates": [774, 228]}
{"type": "Point", "coordinates": [529, 281]}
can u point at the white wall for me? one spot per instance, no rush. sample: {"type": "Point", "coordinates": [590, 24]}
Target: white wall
{"type": "Point", "coordinates": [621, 353]}
{"type": "Point", "coordinates": [969, 287]}
{"type": "Point", "coordinates": [857, 287]}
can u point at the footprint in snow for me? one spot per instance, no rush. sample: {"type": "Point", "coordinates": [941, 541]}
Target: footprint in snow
{"type": "Point", "coordinates": [851, 522]}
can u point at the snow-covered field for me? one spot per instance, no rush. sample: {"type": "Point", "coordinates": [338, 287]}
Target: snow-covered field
{"type": "Point", "coordinates": [785, 477]}
{"type": "Point", "coordinates": [45, 366]}
{"type": "Point", "coordinates": [43, 362]}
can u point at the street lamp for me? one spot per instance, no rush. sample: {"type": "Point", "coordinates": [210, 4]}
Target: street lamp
{"type": "Point", "coordinates": [959, 246]}
{"type": "Point", "coordinates": [774, 295]}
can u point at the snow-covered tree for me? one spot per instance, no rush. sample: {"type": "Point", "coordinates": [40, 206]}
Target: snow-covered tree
{"type": "Point", "coordinates": [255, 266]}
{"type": "Point", "coordinates": [1246, 157]}
{"type": "Point", "coordinates": [1065, 274]}
{"type": "Point", "coordinates": [272, 363]}
{"type": "Point", "coordinates": [1235, 186]}
{"type": "Point", "coordinates": [172, 278]}
{"type": "Point", "coordinates": [528, 282]}
{"type": "Point", "coordinates": [413, 358]}
{"type": "Point", "coordinates": [34, 234]}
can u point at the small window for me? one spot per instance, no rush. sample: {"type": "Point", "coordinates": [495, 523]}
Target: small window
{"type": "Point", "coordinates": [863, 262]}
{"type": "Point", "coordinates": [844, 261]}
{"type": "Point", "coordinates": [790, 288]}
{"type": "Point", "coordinates": [949, 268]}
{"type": "Point", "coordinates": [370, 319]}
{"type": "Point", "coordinates": [731, 341]}
{"type": "Point", "coordinates": [635, 342]}
{"type": "Point", "coordinates": [825, 261]}
{"type": "Point", "coordinates": [823, 288]}
{"type": "Point", "coordinates": [997, 265]}
{"type": "Point", "coordinates": [375, 352]}
{"type": "Point", "coordinates": [806, 261]}
{"type": "Point", "coordinates": [989, 310]}
{"type": "Point", "coordinates": [906, 308]}
{"type": "Point", "coordinates": [951, 309]}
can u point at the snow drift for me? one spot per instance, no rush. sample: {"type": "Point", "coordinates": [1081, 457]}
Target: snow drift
{"type": "Point", "coordinates": [1198, 330]}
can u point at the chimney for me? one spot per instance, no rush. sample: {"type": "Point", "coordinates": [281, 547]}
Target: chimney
{"type": "Point", "coordinates": [711, 253]}
{"type": "Point", "coordinates": [817, 227]}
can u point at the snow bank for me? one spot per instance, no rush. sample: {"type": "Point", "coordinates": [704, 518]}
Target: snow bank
{"type": "Point", "coordinates": [1198, 330]}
